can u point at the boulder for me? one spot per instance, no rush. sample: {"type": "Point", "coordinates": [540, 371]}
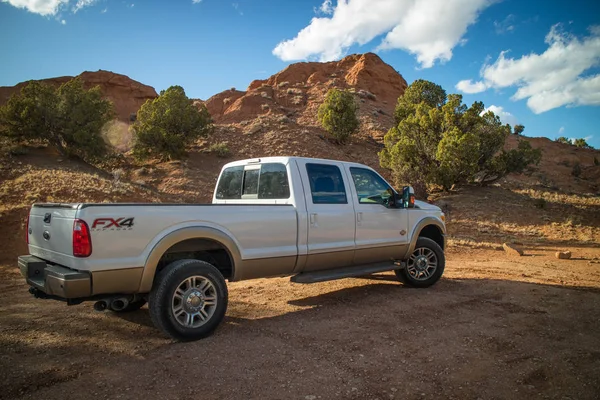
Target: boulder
{"type": "Point", "coordinates": [563, 255]}
{"type": "Point", "coordinates": [512, 250]}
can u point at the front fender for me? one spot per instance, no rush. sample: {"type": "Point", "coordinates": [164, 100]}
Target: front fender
{"type": "Point", "coordinates": [180, 235]}
{"type": "Point", "coordinates": [419, 227]}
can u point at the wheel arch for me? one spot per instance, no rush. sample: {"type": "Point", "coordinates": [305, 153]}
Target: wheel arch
{"type": "Point", "coordinates": [431, 228]}
{"type": "Point", "coordinates": [185, 240]}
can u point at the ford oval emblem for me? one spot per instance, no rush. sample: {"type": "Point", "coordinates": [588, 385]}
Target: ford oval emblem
{"type": "Point", "coordinates": [46, 235]}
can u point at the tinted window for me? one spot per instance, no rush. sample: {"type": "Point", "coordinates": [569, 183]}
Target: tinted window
{"type": "Point", "coordinates": [273, 182]}
{"type": "Point", "coordinates": [370, 187]}
{"type": "Point", "coordinates": [230, 184]}
{"type": "Point", "coordinates": [268, 182]}
{"type": "Point", "coordinates": [326, 184]}
{"type": "Point", "coordinates": [251, 182]}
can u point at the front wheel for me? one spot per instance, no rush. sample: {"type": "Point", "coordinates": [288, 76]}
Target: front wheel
{"type": "Point", "coordinates": [188, 299]}
{"type": "Point", "coordinates": [425, 265]}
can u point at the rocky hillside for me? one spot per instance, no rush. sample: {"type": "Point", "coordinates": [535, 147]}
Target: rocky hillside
{"type": "Point", "coordinates": [126, 94]}
{"type": "Point", "coordinates": [296, 93]}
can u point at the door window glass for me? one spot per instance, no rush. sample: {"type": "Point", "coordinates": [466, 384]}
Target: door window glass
{"type": "Point", "coordinates": [326, 184]}
{"type": "Point", "coordinates": [370, 187]}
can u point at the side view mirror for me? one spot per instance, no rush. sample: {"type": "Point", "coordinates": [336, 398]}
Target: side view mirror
{"type": "Point", "coordinates": [408, 197]}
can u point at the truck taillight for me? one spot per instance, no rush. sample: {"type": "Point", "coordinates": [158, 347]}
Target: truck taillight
{"type": "Point", "coordinates": [82, 241]}
{"type": "Point", "coordinates": [27, 229]}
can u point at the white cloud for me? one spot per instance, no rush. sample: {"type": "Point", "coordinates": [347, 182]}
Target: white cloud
{"type": "Point", "coordinates": [196, 1]}
{"type": "Point", "coordinates": [430, 29]}
{"type": "Point", "coordinates": [82, 4]}
{"type": "Point", "coordinates": [470, 87]}
{"type": "Point", "coordinates": [327, 7]}
{"type": "Point", "coordinates": [505, 116]}
{"type": "Point", "coordinates": [588, 138]}
{"type": "Point", "coordinates": [552, 79]}
{"type": "Point", "coordinates": [561, 130]}
{"type": "Point", "coordinates": [62, 21]}
{"type": "Point", "coordinates": [104, 11]}
{"type": "Point", "coordinates": [506, 25]}
{"type": "Point", "coordinates": [42, 7]}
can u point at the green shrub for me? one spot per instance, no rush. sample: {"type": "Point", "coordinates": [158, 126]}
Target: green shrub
{"type": "Point", "coordinates": [581, 143]}
{"type": "Point", "coordinates": [338, 116]}
{"type": "Point", "coordinates": [68, 118]}
{"type": "Point", "coordinates": [437, 140]}
{"type": "Point", "coordinates": [220, 149]}
{"type": "Point", "coordinates": [169, 123]}
{"type": "Point", "coordinates": [563, 140]}
{"type": "Point", "coordinates": [518, 129]}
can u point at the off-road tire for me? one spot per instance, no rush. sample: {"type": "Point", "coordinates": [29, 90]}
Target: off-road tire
{"type": "Point", "coordinates": [163, 291]}
{"type": "Point", "coordinates": [405, 277]}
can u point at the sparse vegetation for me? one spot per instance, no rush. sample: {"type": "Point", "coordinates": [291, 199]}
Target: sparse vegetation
{"type": "Point", "coordinates": [167, 124]}
{"type": "Point", "coordinates": [518, 129]}
{"type": "Point", "coordinates": [581, 143]}
{"type": "Point", "coordinates": [338, 116]}
{"type": "Point", "coordinates": [294, 91]}
{"type": "Point", "coordinates": [596, 162]}
{"type": "Point", "coordinates": [220, 149]}
{"type": "Point", "coordinates": [439, 141]}
{"type": "Point", "coordinates": [366, 94]}
{"type": "Point", "coordinates": [68, 118]}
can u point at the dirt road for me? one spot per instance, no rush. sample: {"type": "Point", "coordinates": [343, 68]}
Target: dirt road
{"type": "Point", "coordinates": [494, 328]}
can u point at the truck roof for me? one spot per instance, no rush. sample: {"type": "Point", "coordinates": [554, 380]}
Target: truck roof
{"type": "Point", "coordinates": [285, 160]}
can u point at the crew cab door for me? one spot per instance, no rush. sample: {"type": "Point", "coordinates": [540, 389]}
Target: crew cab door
{"type": "Point", "coordinates": [330, 214]}
{"type": "Point", "coordinates": [381, 230]}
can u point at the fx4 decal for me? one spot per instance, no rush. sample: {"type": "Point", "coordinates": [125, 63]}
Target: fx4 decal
{"type": "Point", "coordinates": [113, 224]}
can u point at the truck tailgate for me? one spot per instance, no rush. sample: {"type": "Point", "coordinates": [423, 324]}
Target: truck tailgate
{"type": "Point", "coordinates": [51, 231]}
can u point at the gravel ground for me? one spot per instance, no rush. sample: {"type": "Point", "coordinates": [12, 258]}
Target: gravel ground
{"type": "Point", "coordinates": [494, 327]}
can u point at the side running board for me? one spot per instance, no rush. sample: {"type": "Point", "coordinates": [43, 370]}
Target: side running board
{"type": "Point", "coordinates": [346, 272]}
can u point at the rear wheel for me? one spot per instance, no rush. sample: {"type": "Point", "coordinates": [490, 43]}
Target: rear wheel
{"type": "Point", "coordinates": [425, 265]}
{"type": "Point", "coordinates": [188, 299]}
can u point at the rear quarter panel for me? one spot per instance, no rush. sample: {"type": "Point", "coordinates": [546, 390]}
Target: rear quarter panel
{"type": "Point", "coordinates": [258, 231]}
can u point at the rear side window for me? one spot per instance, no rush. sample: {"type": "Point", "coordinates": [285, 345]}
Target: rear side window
{"type": "Point", "coordinates": [273, 183]}
{"type": "Point", "coordinates": [270, 181]}
{"type": "Point", "coordinates": [230, 184]}
{"type": "Point", "coordinates": [326, 184]}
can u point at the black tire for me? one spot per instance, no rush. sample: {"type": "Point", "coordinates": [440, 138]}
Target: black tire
{"type": "Point", "coordinates": [162, 299]}
{"type": "Point", "coordinates": [132, 306]}
{"type": "Point", "coordinates": [405, 276]}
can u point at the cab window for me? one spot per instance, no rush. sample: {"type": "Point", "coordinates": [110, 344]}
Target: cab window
{"type": "Point", "coordinates": [268, 181]}
{"type": "Point", "coordinates": [370, 187]}
{"type": "Point", "coordinates": [326, 184]}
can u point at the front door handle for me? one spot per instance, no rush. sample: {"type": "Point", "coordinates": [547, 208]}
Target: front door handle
{"type": "Point", "coordinates": [359, 217]}
{"type": "Point", "coordinates": [313, 219]}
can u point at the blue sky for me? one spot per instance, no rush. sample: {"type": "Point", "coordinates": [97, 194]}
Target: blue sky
{"type": "Point", "coordinates": [534, 63]}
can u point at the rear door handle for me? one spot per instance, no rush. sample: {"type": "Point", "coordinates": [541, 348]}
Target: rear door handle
{"type": "Point", "coordinates": [358, 217]}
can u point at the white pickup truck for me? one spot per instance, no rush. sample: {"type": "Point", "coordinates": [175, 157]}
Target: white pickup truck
{"type": "Point", "coordinates": [313, 219]}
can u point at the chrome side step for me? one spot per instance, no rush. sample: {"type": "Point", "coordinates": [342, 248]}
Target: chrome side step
{"type": "Point", "coordinates": [346, 272]}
